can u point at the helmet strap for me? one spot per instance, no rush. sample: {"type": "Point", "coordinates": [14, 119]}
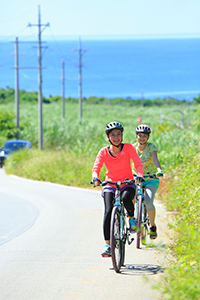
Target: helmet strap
{"type": "Point", "coordinates": [113, 144]}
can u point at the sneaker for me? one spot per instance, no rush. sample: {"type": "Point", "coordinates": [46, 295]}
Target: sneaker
{"type": "Point", "coordinates": [153, 233]}
{"type": "Point", "coordinates": [106, 251]}
{"type": "Point", "coordinates": [132, 223]}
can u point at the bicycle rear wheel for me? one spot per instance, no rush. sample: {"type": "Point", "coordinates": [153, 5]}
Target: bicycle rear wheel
{"type": "Point", "coordinates": [117, 246]}
{"type": "Point", "coordinates": [139, 221]}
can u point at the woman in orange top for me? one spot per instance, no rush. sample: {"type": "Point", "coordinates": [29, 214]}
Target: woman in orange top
{"type": "Point", "coordinates": [117, 159]}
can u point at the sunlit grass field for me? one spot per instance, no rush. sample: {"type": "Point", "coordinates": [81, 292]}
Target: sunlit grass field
{"type": "Point", "coordinates": [182, 278]}
{"type": "Point", "coordinates": [71, 145]}
{"type": "Point", "coordinates": [69, 132]}
{"type": "Point", "coordinates": [70, 148]}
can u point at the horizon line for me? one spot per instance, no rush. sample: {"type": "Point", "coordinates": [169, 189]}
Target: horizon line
{"type": "Point", "coordinates": [114, 36]}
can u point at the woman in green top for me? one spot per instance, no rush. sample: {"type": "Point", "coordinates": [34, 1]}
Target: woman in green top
{"type": "Point", "coordinates": [148, 155]}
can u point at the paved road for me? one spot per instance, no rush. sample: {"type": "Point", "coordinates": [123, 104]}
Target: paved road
{"type": "Point", "coordinates": [50, 244]}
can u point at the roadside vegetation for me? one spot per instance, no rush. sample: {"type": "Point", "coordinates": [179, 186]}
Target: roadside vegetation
{"type": "Point", "coordinates": [70, 147]}
{"type": "Point", "coordinates": [182, 278]}
{"type": "Point", "coordinates": [182, 196]}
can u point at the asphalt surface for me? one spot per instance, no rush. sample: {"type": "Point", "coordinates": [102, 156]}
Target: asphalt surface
{"type": "Point", "coordinates": [50, 244]}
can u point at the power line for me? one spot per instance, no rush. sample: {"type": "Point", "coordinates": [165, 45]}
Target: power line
{"type": "Point", "coordinates": [58, 47]}
{"type": "Point", "coordinates": [7, 38]}
{"type": "Point", "coordinates": [15, 17]}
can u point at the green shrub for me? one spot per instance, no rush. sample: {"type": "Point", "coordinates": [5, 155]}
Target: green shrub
{"type": "Point", "coordinates": [62, 167]}
{"type": "Point", "coordinates": [7, 124]}
{"type": "Point", "coordinates": [197, 99]}
{"type": "Point", "coordinates": [183, 276]}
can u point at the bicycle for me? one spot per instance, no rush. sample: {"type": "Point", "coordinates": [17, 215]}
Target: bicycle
{"type": "Point", "coordinates": [119, 229]}
{"type": "Point", "coordinates": [142, 219]}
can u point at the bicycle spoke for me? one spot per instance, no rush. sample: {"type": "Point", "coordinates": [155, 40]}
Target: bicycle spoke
{"type": "Point", "coordinates": [115, 240]}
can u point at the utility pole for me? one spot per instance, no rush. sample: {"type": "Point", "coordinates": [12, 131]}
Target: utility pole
{"type": "Point", "coordinates": [81, 52]}
{"type": "Point", "coordinates": [63, 88]}
{"type": "Point", "coordinates": [40, 120]}
{"type": "Point", "coordinates": [80, 79]}
{"type": "Point", "coordinates": [161, 117]}
{"type": "Point", "coordinates": [40, 100]}
{"type": "Point", "coordinates": [17, 87]}
{"type": "Point", "coordinates": [142, 99]}
{"type": "Point", "coordinates": [17, 113]}
{"type": "Point", "coordinates": [182, 117]}
{"type": "Point", "coordinates": [189, 111]}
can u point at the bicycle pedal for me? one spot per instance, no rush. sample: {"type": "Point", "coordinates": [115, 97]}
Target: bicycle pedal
{"type": "Point", "coordinates": [130, 241]}
{"type": "Point", "coordinates": [105, 255]}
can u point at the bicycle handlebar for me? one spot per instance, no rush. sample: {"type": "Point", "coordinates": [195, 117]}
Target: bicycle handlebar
{"type": "Point", "coordinates": [127, 181]}
{"type": "Point", "coordinates": [149, 176]}
{"type": "Point", "coordinates": [117, 184]}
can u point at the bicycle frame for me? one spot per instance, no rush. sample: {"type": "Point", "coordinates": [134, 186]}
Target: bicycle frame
{"type": "Point", "coordinates": [140, 192]}
{"type": "Point", "coordinates": [124, 236]}
{"type": "Point", "coordinates": [119, 231]}
{"type": "Point", "coordinates": [143, 221]}
{"type": "Point", "coordinates": [141, 216]}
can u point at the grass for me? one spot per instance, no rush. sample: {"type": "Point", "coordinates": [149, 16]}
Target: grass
{"type": "Point", "coordinates": [182, 279]}
{"type": "Point", "coordinates": [53, 166]}
{"type": "Point", "coordinates": [75, 144]}
{"type": "Point", "coordinates": [70, 132]}
{"type": "Point", "coordinates": [70, 150]}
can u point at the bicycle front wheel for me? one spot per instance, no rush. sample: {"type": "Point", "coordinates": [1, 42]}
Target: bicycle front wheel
{"type": "Point", "coordinates": [144, 226]}
{"type": "Point", "coordinates": [116, 243]}
{"type": "Point", "coordinates": [139, 221]}
{"type": "Point", "coordinates": [123, 237]}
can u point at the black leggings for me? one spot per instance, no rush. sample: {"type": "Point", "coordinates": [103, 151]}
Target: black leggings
{"type": "Point", "coordinates": [127, 196]}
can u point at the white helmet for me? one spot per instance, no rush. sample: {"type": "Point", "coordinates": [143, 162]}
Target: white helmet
{"type": "Point", "coordinates": [143, 128]}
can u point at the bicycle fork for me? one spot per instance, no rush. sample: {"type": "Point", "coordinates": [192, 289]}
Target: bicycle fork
{"type": "Point", "coordinates": [124, 232]}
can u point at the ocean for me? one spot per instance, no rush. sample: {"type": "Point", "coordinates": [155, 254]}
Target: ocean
{"type": "Point", "coordinates": [128, 68]}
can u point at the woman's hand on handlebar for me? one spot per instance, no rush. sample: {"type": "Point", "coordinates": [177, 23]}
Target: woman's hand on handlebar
{"type": "Point", "coordinates": [138, 179]}
{"type": "Point", "coordinates": [159, 174]}
{"type": "Point", "coordinates": [96, 181]}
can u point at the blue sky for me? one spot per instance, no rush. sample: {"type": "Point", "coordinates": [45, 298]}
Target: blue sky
{"type": "Point", "coordinates": [101, 17]}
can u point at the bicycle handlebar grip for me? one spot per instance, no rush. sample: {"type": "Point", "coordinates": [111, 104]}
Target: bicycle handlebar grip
{"type": "Point", "coordinates": [159, 174]}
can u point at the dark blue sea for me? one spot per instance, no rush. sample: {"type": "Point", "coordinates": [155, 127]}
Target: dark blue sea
{"type": "Point", "coordinates": [148, 68]}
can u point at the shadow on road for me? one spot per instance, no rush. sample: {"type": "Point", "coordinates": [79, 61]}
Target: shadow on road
{"type": "Point", "coordinates": [141, 270]}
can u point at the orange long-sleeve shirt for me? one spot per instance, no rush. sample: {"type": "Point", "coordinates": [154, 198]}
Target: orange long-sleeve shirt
{"type": "Point", "coordinates": [118, 168]}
